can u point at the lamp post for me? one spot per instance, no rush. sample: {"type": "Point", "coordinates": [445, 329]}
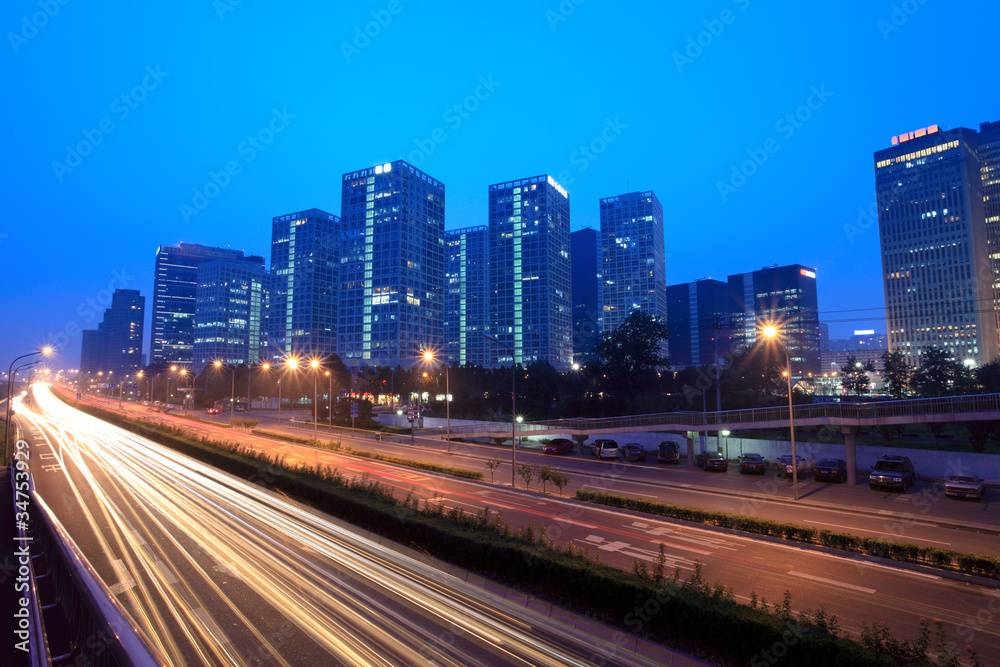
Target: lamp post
{"type": "Point", "coordinates": [772, 333]}
{"type": "Point", "coordinates": [10, 388]}
{"type": "Point", "coordinates": [232, 397]}
{"type": "Point", "coordinates": [429, 357]}
{"type": "Point", "coordinates": [513, 409]}
{"type": "Point", "coordinates": [315, 366]}
{"type": "Point", "coordinates": [265, 367]}
{"type": "Point", "coordinates": [329, 402]}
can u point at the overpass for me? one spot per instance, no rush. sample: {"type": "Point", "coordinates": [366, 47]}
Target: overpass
{"type": "Point", "coordinates": [849, 417]}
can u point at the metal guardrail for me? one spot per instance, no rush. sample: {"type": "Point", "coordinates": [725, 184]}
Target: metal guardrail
{"type": "Point", "coordinates": [335, 430]}
{"type": "Point", "coordinates": [847, 411]}
{"type": "Point", "coordinates": [92, 628]}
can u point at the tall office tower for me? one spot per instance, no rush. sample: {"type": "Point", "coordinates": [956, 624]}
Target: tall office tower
{"type": "Point", "coordinates": [229, 308]}
{"type": "Point", "coordinates": [531, 300]}
{"type": "Point", "coordinates": [989, 156]}
{"type": "Point", "coordinates": [699, 319]}
{"type": "Point", "coordinates": [392, 288]}
{"type": "Point", "coordinates": [587, 283]}
{"type": "Point", "coordinates": [116, 345]}
{"type": "Point", "coordinates": [935, 262]}
{"type": "Point", "coordinates": [468, 294]}
{"type": "Point", "coordinates": [784, 296]}
{"type": "Point", "coordinates": [634, 268]}
{"type": "Point", "coordinates": [174, 286]}
{"type": "Point", "coordinates": [304, 285]}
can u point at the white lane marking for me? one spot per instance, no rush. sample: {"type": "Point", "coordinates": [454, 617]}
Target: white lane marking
{"type": "Point", "coordinates": [838, 584]}
{"type": "Point", "coordinates": [210, 626]}
{"type": "Point", "coordinates": [684, 547]}
{"type": "Point", "coordinates": [126, 582]}
{"type": "Point", "coordinates": [227, 568]}
{"type": "Point", "coordinates": [865, 530]}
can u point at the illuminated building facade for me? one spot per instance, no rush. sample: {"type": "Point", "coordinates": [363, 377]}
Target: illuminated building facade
{"type": "Point", "coordinates": [174, 287]}
{"type": "Point", "coordinates": [587, 283]}
{"type": "Point", "coordinates": [468, 295]}
{"type": "Point", "coordinates": [937, 274]}
{"type": "Point", "coordinates": [633, 268]}
{"type": "Point", "coordinates": [531, 301]}
{"type": "Point", "coordinates": [230, 307]}
{"type": "Point", "coordinates": [305, 269]}
{"type": "Point", "coordinates": [786, 297]}
{"type": "Point", "coordinates": [392, 271]}
{"type": "Point", "coordinates": [989, 156]}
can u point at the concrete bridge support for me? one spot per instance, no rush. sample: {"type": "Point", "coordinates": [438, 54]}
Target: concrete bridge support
{"type": "Point", "coordinates": [850, 433]}
{"type": "Point", "coordinates": [691, 435]}
{"type": "Point", "coordinates": [580, 439]}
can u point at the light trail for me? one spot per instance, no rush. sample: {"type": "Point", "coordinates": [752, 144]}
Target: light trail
{"type": "Point", "coordinates": [219, 564]}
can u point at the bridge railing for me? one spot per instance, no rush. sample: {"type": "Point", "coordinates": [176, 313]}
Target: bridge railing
{"type": "Point", "coordinates": [848, 411]}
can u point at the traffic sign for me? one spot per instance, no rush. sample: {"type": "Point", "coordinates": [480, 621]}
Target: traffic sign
{"type": "Point", "coordinates": [354, 410]}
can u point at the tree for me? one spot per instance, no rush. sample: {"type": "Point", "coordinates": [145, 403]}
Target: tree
{"type": "Point", "coordinates": [854, 376]}
{"type": "Point", "coordinates": [988, 377]}
{"type": "Point", "coordinates": [627, 359]}
{"type": "Point", "coordinates": [937, 374]}
{"type": "Point", "coordinates": [896, 373]}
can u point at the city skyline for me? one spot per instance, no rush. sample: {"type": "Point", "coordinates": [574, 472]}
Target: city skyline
{"type": "Point", "coordinates": [211, 139]}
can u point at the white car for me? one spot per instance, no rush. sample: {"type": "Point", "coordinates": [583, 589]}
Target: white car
{"type": "Point", "coordinates": [964, 486]}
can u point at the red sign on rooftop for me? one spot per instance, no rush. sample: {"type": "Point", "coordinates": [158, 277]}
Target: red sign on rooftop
{"type": "Point", "coordinates": [923, 132]}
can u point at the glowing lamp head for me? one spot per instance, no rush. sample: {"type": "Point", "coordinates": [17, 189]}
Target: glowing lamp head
{"type": "Point", "coordinates": [218, 364]}
{"type": "Point", "coordinates": [46, 350]}
{"type": "Point", "coordinates": [266, 366]}
{"type": "Point", "coordinates": [428, 356]}
{"type": "Point", "coordinates": [293, 363]}
{"type": "Point", "coordinates": [770, 331]}
{"type": "Point", "coordinates": [314, 363]}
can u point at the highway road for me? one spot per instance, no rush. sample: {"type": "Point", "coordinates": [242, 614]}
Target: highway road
{"type": "Point", "coordinates": [214, 570]}
{"type": "Point", "coordinates": [856, 590]}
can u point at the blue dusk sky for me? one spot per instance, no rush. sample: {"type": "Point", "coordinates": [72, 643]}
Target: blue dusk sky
{"type": "Point", "coordinates": [135, 124]}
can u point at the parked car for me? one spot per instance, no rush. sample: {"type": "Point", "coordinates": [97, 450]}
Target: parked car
{"type": "Point", "coordinates": [633, 451]}
{"type": "Point", "coordinates": [964, 486]}
{"type": "Point", "coordinates": [752, 464]}
{"type": "Point", "coordinates": [605, 449]}
{"type": "Point", "coordinates": [893, 472]}
{"type": "Point", "coordinates": [668, 452]}
{"type": "Point", "coordinates": [832, 469]}
{"type": "Point", "coordinates": [712, 461]}
{"type": "Point", "coordinates": [785, 465]}
{"type": "Point", "coordinates": [559, 446]}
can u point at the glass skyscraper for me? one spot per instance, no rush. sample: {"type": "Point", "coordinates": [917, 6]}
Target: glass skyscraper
{"type": "Point", "coordinates": [699, 319]}
{"type": "Point", "coordinates": [531, 301]}
{"type": "Point", "coordinates": [116, 344]}
{"type": "Point", "coordinates": [634, 268]}
{"type": "Point", "coordinates": [989, 156]}
{"type": "Point", "coordinates": [304, 285]}
{"type": "Point", "coordinates": [174, 287]}
{"type": "Point", "coordinates": [937, 273]}
{"type": "Point", "coordinates": [784, 296]}
{"type": "Point", "coordinates": [392, 271]}
{"type": "Point", "coordinates": [587, 283]}
{"type": "Point", "coordinates": [229, 312]}
{"type": "Point", "coordinates": [468, 297]}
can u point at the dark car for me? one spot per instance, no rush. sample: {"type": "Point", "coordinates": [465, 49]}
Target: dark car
{"type": "Point", "coordinates": [633, 451]}
{"type": "Point", "coordinates": [834, 470]}
{"type": "Point", "coordinates": [212, 411]}
{"type": "Point", "coordinates": [892, 472]}
{"type": "Point", "coordinates": [785, 465]}
{"type": "Point", "coordinates": [559, 446]}
{"type": "Point", "coordinates": [668, 452]}
{"type": "Point", "coordinates": [752, 464]}
{"type": "Point", "coordinates": [712, 461]}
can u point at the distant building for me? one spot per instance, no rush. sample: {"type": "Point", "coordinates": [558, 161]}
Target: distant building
{"type": "Point", "coordinates": [700, 321]}
{"type": "Point", "coordinates": [934, 242]}
{"type": "Point", "coordinates": [304, 285]}
{"type": "Point", "coordinates": [174, 287]}
{"type": "Point", "coordinates": [863, 339]}
{"type": "Point", "coordinates": [229, 312]}
{"type": "Point", "coordinates": [786, 297]}
{"type": "Point", "coordinates": [633, 268]}
{"type": "Point", "coordinates": [531, 302]}
{"type": "Point", "coordinates": [392, 289]}
{"type": "Point", "coordinates": [467, 312]}
{"type": "Point", "coordinates": [115, 347]}
{"type": "Point", "coordinates": [586, 274]}
{"type": "Point", "coordinates": [835, 362]}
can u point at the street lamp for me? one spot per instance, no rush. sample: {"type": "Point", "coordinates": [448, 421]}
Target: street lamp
{"type": "Point", "coordinates": [429, 357]}
{"type": "Point", "coordinates": [772, 334]}
{"type": "Point", "coordinates": [725, 434]}
{"type": "Point", "coordinates": [513, 408]}
{"type": "Point", "coordinates": [329, 402]}
{"type": "Point", "coordinates": [314, 364]}
{"type": "Point", "coordinates": [10, 389]}
{"type": "Point", "coordinates": [232, 398]}
{"type": "Point", "coordinates": [265, 367]}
